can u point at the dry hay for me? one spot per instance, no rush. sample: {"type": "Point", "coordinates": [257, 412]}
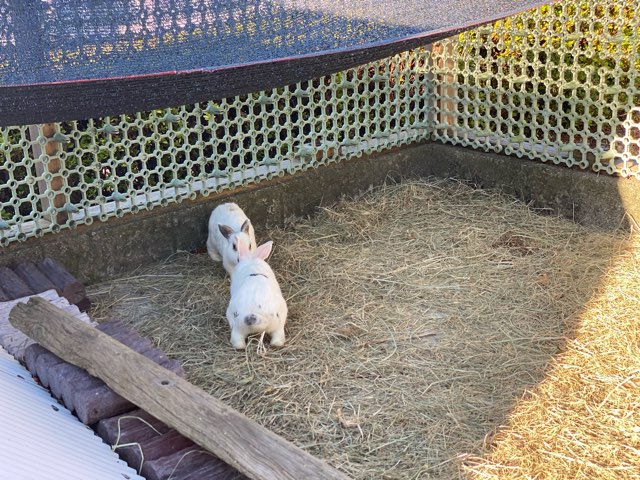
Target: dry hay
{"type": "Point", "coordinates": [419, 314]}
{"type": "Point", "coordinates": [583, 420]}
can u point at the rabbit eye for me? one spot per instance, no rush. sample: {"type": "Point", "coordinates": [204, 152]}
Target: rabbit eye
{"type": "Point", "coordinates": [234, 247]}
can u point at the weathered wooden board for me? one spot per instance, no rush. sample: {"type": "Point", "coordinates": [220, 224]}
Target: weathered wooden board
{"type": "Point", "coordinates": [14, 341]}
{"type": "Point", "coordinates": [84, 305]}
{"type": "Point", "coordinates": [240, 442]}
{"type": "Point", "coordinates": [134, 426]}
{"type": "Point", "coordinates": [82, 393]}
{"type": "Point", "coordinates": [178, 463]}
{"type": "Point", "coordinates": [12, 284]}
{"type": "Point", "coordinates": [154, 449]}
{"type": "Point", "coordinates": [129, 337]}
{"type": "Point", "coordinates": [213, 471]}
{"type": "Point", "coordinates": [33, 277]}
{"type": "Point", "coordinates": [92, 405]}
{"type": "Point", "coordinates": [65, 283]}
{"type": "Point", "coordinates": [142, 451]}
{"type": "Point", "coordinates": [75, 398]}
{"type": "Point", "coordinates": [44, 366]}
{"type": "Point", "coordinates": [31, 354]}
{"type": "Point", "coordinates": [66, 379]}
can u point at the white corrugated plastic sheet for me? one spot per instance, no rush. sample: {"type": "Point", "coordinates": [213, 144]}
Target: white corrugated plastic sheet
{"type": "Point", "coordinates": [41, 440]}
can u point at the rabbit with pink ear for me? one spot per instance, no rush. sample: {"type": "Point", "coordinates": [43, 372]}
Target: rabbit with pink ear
{"type": "Point", "coordinates": [228, 224]}
{"type": "Point", "coordinates": [256, 304]}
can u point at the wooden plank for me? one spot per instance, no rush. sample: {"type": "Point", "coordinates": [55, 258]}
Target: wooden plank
{"type": "Point", "coordinates": [140, 441]}
{"type": "Point", "coordinates": [84, 394]}
{"type": "Point", "coordinates": [31, 354]}
{"type": "Point", "coordinates": [138, 452]}
{"type": "Point", "coordinates": [237, 440]}
{"type": "Point", "coordinates": [65, 283]}
{"type": "Point", "coordinates": [125, 335]}
{"type": "Point", "coordinates": [84, 305]}
{"type": "Point", "coordinates": [33, 277]}
{"type": "Point", "coordinates": [44, 364]}
{"type": "Point", "coordinates": [12, 285]}
{"type": "Point", "coordinates": [92, 405]}
{"type": "Point", "coordinates": [14, 341]}
{"type": "Point", "coordinates": [133, 426]}
{"type": "Point", "coordinates": [445, 112]}
{"type": "Point", "coordinates": [53, 166]}
{"type": "Point", "coordinates": [212, 471]}
{"type": "Point", "coordinates": [72, 390]}
{"type": "Point", "coordinates": [65, 380]}
{"type": "Point", "coordinates": [175, 465]}
{"type": "Point", "coordinates": [74, 383]}
{"type": "Point", "coordinates": [61, 374]}
{"type": "Point", "coordinates": [129, 337]}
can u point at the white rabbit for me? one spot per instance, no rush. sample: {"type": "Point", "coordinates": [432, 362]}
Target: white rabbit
{"type": "Point", "coordinates": [227, 224]}
{"type": "Point", "coordinates": [256, 304]}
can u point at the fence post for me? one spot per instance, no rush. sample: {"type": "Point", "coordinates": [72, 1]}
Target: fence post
{"type": "Point", "coordinates": [53, 167]}
{"type": "Point", "coordinates": [444, 107]}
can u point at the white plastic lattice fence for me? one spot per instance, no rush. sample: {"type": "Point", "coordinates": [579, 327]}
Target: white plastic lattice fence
{"type": "Point", "coordinates": [63, 175]}
{"type": "Point", "coordinates": [559, 84]}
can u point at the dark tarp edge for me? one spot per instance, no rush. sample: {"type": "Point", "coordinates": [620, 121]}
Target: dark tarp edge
{"type": "Point", "coordinates": [77, 100]}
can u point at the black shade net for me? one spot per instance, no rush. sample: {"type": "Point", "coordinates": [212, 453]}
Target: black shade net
{"type": "Point", "coordinates": [73, 59]}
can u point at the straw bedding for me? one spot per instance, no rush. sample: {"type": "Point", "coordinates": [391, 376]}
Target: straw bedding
{"type": "Point", "coordinates": [421, 315]}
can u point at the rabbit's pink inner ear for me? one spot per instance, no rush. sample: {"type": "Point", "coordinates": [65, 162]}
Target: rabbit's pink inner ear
{"type": "Point", "coordinates": [242, 246]}
{"type": "Point", "coordinates": [263, 251]}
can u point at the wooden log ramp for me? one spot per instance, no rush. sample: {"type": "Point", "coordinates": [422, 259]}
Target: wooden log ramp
{"type": "Point", "coordinates": [242, 443]}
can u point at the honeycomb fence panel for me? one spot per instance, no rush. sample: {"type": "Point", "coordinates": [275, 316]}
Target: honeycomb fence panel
{"type": "Point", "coordinates": [557, 84]}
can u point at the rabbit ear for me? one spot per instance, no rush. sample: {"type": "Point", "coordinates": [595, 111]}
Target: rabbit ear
{"type": "Point", "coordinates": [245, 226]}
{"type": "Point", "coordinates": [263, 251]}
{"type": "Point", "coordinates": [242, 246]}
{"type": "Point", "coordinates": [225, 230]}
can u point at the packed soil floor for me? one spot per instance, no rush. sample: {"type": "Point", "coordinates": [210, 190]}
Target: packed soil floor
{"type": "Point", "coordinates": [434, 331]}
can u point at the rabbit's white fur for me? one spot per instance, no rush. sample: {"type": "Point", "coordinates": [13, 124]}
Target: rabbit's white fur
{"type": "Point", "coordinates": [227, 224]}
{"type": "Point", "coordinates": [256, 304]}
